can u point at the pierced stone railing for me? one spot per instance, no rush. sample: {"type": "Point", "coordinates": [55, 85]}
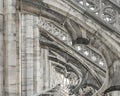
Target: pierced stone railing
{"type": "Point", "coordinates": [106, 12]}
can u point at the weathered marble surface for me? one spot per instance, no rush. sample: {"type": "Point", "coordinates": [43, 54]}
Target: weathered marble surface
{"type": "Point", "coordinates": [10, 52]}
{"type": "Point", "coordinates": [32, 71]}
{"type": "Point", "coordinates": [1, 48]}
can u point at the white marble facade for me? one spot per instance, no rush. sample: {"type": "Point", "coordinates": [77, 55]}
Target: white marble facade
{"type": "Point", "coordinates": [25, 68]}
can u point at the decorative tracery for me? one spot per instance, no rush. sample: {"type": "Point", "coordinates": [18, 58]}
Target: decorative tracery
{"type": "Point", "coordinates": [104, 9]}
{"type": "Point", "coordinates": [71, 83]}
{"type": "Point", "coordinates": [93, 5]}
{"type": "Point", "coordinates": [84, 50]}
{"type": "Point", "coordinates": [60, 34]}
{"type": "Point", "coordinates": [109, 14]}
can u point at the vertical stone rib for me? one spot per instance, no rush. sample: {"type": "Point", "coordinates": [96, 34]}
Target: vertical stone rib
{"type": "Point", "coordinates": [29, 54]}
{"type": "Point", "coordinates": [36, 48]}
{"type": "Point", "coordinates": [10, 55]}
{"type": "Point", "coordinates": [44, 70]}
{"type": "Point", "coordinates": [1, 47]}
{"type": "Point", "coordinates": [23, 59]}
{"type": "Point", "coordinates": [41, 69]}
{"type": "Point", "coordinates": [46, 64]}
{"type": "Point", "coordinates": [51, 75]}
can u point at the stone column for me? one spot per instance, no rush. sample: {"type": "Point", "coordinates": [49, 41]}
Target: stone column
{"type": "Point", "coordinates": [36, 48]}
{"type": "Point", "coordinates": [1, 47]}
{"type": "Point", "coordinates": [52, 75]}
{"type": "Point", "coordinates": [44, 70]}
{"type": "Point", "coordinates": [41, 70]}
{"type": "Point", "coordinates": [23, 57]}
{"type": "Point", "coordinates": [10, 51]}
{"type": "Point", "coordinates": [29, 53]}
{"type": "Point", "coordinates": [47, 70]}
{"type": "Point", "coordinates": [26, 54]}
{"type": "Point", "coordinates": [30, 57]}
